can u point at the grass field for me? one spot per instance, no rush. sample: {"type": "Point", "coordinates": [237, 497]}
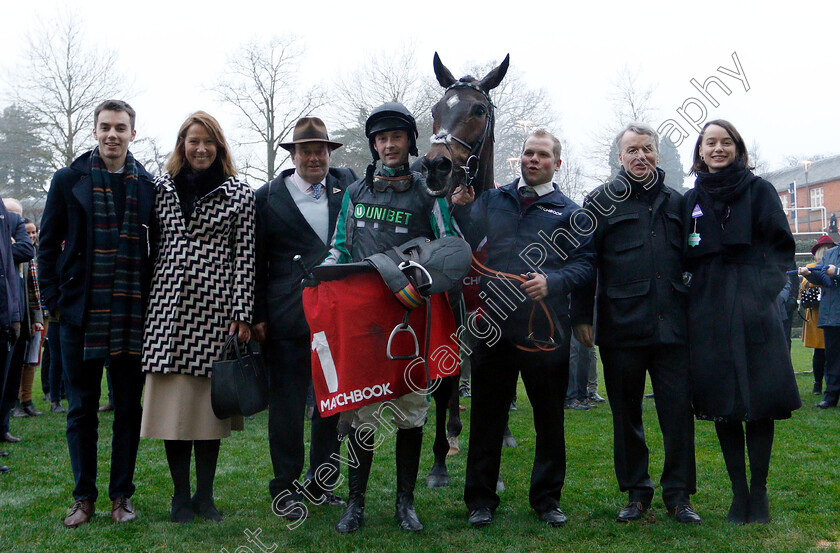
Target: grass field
{"type": "Point", "coordinates": [804, 489]}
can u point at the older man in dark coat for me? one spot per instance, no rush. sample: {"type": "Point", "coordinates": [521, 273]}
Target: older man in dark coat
{"type": "Point", "coordinates": [15, 247]}
{"type": "Point", "coordinates": [296, 215]}
{"type": "Point", "coordinates": [641, 322]}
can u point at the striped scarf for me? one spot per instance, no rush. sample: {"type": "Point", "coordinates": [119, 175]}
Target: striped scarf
{"type": "Point", "coordinates": [34, 289]}
{"type": "Point", "coordinates": [115, 307]}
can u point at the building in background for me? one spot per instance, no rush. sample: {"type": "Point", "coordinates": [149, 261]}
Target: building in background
{"type": "Point", "coordinates": [817, 195]}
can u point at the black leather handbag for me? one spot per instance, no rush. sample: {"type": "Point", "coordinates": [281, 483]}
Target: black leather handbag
{"type": "Point", "coordinates": [239, 383]}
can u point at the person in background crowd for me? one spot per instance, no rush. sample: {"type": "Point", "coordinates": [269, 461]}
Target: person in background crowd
{"type": "Point", "coordinates": [15, 248]}
{"type": "Point", "coordinates": [813, 336]}
{"type": "Point", "coordinates": [94, 269]}
{"type": "Point", "coordinates": [738, 248]}
{"type": "Point", "coordinates": [25, 406]}
{"type": "Point", "coordinates": [296, 215]}
{"type": "Point", "coordinates": [512, 218]}
{"type": "Point", "coordinates": [31, 322]}
{"type": "Point", "coordinates": [201, 294]}
{"type": "Point", "coordinates": [641, 323]}
{"type": "Point", "coordinates": [828, 321]}
{"type": "Point", "coordinates": [581, 360]}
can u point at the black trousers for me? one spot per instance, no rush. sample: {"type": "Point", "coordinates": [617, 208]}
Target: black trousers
{"type": "Point", "coordinates": [289, 373]}
{"type": "Point", "coordinates": [10, 389]}
{"type": "Point", "coordinates": [83, 381]}
{"type": "Point", "coordinates": [624, 375]}
{"type": "Point", "coordinates": [495, 372]}
{"type": "Point", "coordinates": [832, 364]}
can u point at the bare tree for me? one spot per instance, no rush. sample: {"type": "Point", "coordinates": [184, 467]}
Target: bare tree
{"type": "Point", "coordinates": [794, 160]}
{"type": "Point", "coordinates": [631, 102]}
{"type": "Point", "coordinates": [151, 154]}
{"type": "Point", "coordinates": [63, 79]}
{"type": "Point", "coordinates": [570, 178]}
{"type": "Point", "coordinates": [261, 83]}
{"type": "Point", "coordinates": [520, 109]}
{"type": "Point", "coordinates": [386, 76]}
{"type": "Point", "coordinates": [756, 159]}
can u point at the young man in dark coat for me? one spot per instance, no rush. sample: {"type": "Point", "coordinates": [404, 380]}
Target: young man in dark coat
{"type": "Point", "coordinates": [95, 267]}
{"type": "Point", "coordinates": [296, 215]}
{"type": "Point", "coordinates": [531, 233]}
{"type": "Point", "coordinates": [15, 247]}
{"type": "Point", "coordinates": [641, 322]}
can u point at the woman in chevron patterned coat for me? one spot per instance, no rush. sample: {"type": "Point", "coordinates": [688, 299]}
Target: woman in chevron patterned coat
{"type": "Point", "coordinates": [201, 294]}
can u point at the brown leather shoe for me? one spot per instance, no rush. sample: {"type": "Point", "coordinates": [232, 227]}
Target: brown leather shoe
{"type": "Point", "coordinates": [80, 513]}
{"type": "Point", "coordinates": [107, 407]}
{"type": "Point", "coordinates": [122, 510]}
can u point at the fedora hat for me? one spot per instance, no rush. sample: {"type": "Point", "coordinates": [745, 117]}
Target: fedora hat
{"type": "Point", "coordinates": [823, 241]}
{"type": "Point", "coordinates": [310, 129]}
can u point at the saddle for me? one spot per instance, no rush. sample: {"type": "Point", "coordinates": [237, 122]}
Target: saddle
{"type": "Point", "coordinates": [412, 271]}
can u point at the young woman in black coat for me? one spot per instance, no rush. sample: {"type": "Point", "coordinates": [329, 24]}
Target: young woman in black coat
{"type": "Point", "coordinates": [739, 246]}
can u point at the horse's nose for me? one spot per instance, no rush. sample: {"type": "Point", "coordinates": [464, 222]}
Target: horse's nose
{"type": "Point", "coordinates": [425, 166]}
{"type": "Point", "coordinates": [442, 166]}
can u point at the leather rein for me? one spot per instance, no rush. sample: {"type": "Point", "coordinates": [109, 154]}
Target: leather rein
{"type": "Point", "coordinates": [539, 345]}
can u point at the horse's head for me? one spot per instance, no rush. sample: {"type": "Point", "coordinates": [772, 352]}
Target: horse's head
{"type": "Point", "coordinates": [463, 129]}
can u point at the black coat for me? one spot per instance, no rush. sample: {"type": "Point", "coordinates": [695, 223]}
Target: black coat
{"type": "Point", "coordinates": [63, 275]}
{"type": "Point", "coordinates": [740, 361]}
{"type": "Point", "coordinates": [542, 238]}
{"type": "Point", "coordinates": [282, 233]}
{"type": "Point", "coordinates": [13, 301]}
{"type": "Point", "coordinates": [641, 299]}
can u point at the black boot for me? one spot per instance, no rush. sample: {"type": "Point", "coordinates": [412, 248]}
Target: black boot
{"type": "Point", "coordinates": [409, 442]}
{"type": "Point", "coordinates": [759, 448]}
{"type": "Point", "coordinates": [731, 438]}
{"type": "Point", "coordinates": [206, 457]}
{"type": "Point", "coordinates": [178, 454]}
{"type": "Point", "coordinates": [357, 478]}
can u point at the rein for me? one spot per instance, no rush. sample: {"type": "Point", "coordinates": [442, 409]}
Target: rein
{"type": "Point", "coordinates": [539, 345]}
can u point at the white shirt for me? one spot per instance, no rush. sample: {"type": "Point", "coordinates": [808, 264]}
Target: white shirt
{"type": "Point", "coordinates": [540, 189]}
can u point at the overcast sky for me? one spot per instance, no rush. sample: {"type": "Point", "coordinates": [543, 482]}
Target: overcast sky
{"type": "Point", "coordinates": [788, 53]}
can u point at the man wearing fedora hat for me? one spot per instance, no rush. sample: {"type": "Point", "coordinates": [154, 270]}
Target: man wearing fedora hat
{"type": "Point", "coordinates": [296, 215]}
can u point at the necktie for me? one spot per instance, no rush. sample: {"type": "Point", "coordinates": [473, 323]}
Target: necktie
{"type": "Point", "coordinates": [528, 192]}
{"type": "Point", "coordinates": [316, 190]}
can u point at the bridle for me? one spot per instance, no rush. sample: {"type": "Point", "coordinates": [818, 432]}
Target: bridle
{"type": "Point", "coordinates": [473, 164]}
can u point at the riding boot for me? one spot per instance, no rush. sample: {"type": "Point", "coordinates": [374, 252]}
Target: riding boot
{"type": "Point", "coordinates": [731, 438]}
{"type": "Point", "coordinates": [357, 478]}
{"type": "Point", "coordinates": [759, 448]}
{"type": "Point", "coordinates": [409, 442]}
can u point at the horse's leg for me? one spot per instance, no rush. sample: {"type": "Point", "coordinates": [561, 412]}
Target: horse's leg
{"type": "Point", "coordinates": [439, 476]}
{"type": "Point", "coordinates": [454, 426]}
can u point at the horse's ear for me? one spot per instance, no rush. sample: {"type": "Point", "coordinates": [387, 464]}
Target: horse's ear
{"type": "Point", "coordinates": [494, 77]}
{"type": "Point", "coordinates": [444, 75]}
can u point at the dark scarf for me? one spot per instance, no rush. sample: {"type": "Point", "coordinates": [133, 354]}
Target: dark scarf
{"type": "Point", "coordinates": [192, 186]}
{"type": "Point", "coordinates": [647, 191]}
{"type": "Point", "coordinates": [115, 307]}
{"type": "Point", "coordinates": [726, 202]}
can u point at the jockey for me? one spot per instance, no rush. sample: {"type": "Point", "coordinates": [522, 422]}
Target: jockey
{"type": "Point", "coordinates": [388, 207]}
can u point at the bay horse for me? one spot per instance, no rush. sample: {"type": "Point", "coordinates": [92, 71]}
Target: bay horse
{"type": "Point", "coordinates": [461, 154]}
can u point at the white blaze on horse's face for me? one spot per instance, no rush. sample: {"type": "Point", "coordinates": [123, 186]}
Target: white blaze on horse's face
{"type": "Point", "coordinates": [442, 137]}
{"type": "Point", "coordinates": [452, 101]}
